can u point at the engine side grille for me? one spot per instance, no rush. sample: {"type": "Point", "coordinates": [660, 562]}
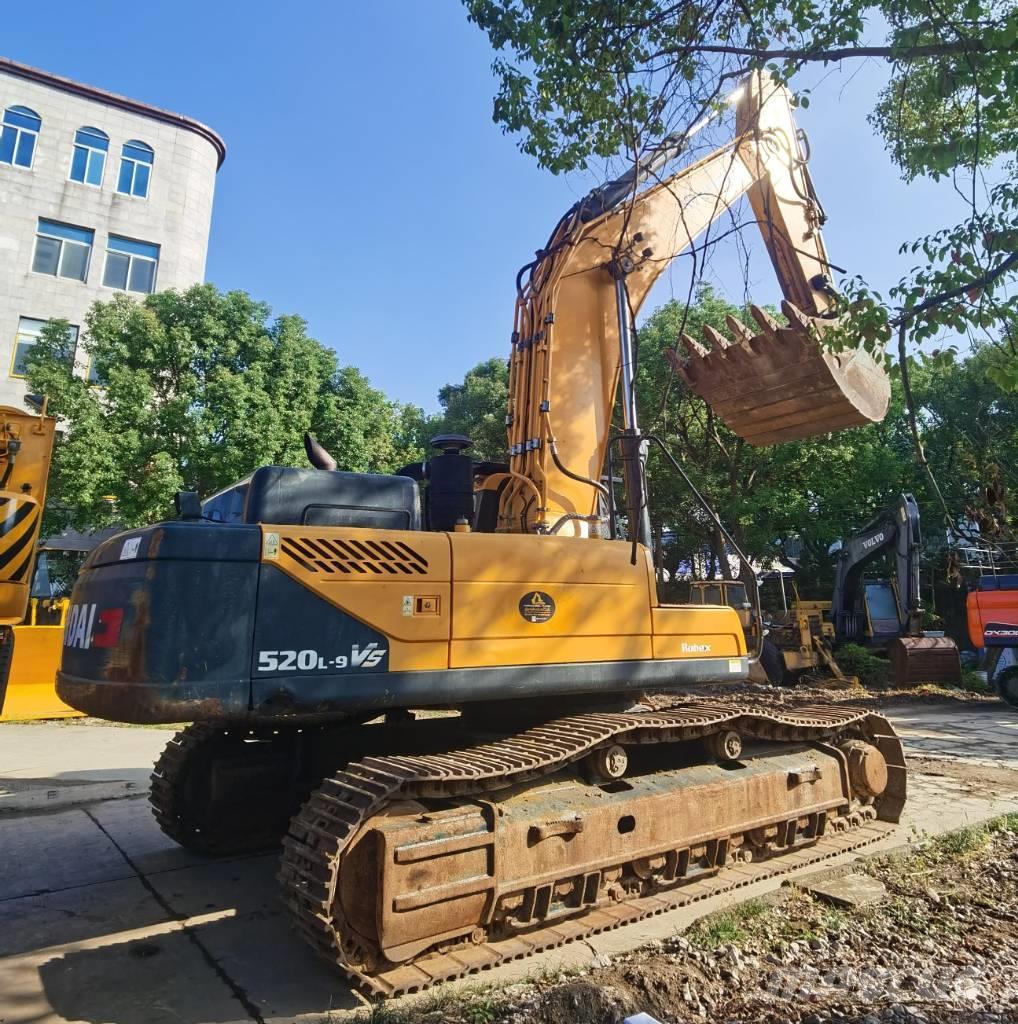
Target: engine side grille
{"type": "Point", "coordinates": [355, 557]}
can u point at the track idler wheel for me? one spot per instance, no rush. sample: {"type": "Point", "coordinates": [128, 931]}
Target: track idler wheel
{"type": "Point", "coordinates": [867, 768]}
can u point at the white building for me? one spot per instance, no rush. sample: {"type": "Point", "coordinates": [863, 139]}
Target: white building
{"type": "Point", "coordinates": [98, 194]}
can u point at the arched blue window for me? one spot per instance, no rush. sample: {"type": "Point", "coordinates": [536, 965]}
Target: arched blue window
{"type": "Point", "coordinates": [17, 136]}
{"type": "Point", "coordinates": [89, 158]}
{"type": "Point", "coordinates": [135, 168]}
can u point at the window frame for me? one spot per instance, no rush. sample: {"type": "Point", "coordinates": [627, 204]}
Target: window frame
{"type": "Point", "coordinates": [90, 151]}
{"type": "Point", "coordinates": [17, 342]}
{"type": "Point", "coordinates": [131, 257]}
{"type": "Point", "coordinates": [134, 163]}
{"type": "Point", "coordinates": [20, 130]}
{"type": "Point", "coordinates": [41, 233]}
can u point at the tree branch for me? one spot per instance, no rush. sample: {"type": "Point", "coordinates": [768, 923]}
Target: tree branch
{"type": "Point", "coordinates": [959, 47]}
{"type": "Point", "coordinates": [936, 300]}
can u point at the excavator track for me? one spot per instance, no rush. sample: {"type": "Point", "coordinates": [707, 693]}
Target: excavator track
{"type": "Point", "coordinates": [326, 828]}
{"type": "Point", "coordinates": [214, 795]}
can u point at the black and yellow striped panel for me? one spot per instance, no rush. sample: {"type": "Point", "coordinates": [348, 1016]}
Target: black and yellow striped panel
{"type": "Point", "coordinates": [19, 522]}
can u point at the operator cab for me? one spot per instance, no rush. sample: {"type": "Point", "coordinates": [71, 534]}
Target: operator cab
{"type": "Point", "coordinates": [726, 592]}
{"type": "Point", "coordinates": [883, 609]}
{"type": "Point", "coordinates": [876, 615]}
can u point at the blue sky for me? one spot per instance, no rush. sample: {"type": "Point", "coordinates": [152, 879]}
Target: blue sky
{"type": "Point", "coordinates": [366, 187]}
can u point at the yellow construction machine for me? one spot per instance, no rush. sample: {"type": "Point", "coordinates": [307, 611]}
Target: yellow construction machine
{"type": "Point", "coordinates": [884, 615]}
{"type": "Point", "coordinates": [26, 446]}
{"type": "Point", "coordinates": [302, 619]}
{"type": "Point", "coordinates": [38, 639]}
{"type": "Point", "coordinates": [30, 692]}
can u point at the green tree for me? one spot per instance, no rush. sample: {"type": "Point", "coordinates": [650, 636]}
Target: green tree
{"type": "Point", "coordinates": [581, 79]}
{"type": "Point", "coordinates": [199, 389]}
{"type": "Point", "coordinates": [970, 435]}
{"type": "Point", "coordinates": [477, 408]}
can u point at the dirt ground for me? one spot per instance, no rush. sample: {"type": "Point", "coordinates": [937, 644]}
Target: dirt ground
{"type": "Point", "coordinates": [938, 949]}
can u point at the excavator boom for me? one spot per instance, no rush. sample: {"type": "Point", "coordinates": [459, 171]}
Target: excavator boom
{"type": "Point", "coordinates": [594, 275]}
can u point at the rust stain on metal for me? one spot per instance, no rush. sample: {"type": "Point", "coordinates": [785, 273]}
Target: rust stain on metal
{"type": "Point", "coordinates": [521, 853]}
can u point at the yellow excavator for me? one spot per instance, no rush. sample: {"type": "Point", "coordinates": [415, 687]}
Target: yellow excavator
{"type": "Point", "coordinates": [460, 717]}
{"type": "Point", "coordinates": [26, 447]}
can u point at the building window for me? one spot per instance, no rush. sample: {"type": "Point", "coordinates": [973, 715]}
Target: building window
{"type": "Point", "coordinates": [89, 158]}
{"type": "Point", "coordinates": [131, 266]}
{"type": "Point", "coordinates": [62, 250]}
{"type": "Point", "coordinates": [135, 168]}
{"type": "Point", "coordinates": [94, 376]}
{"type": "Point", "coordinates": [17, 136]}
{"type": "Point", "coordinates": [29, 331]}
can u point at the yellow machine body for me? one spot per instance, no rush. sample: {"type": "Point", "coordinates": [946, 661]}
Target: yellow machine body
{"type": "Point", "coordinates": [26, 446]}
{"type": "Point", "coordinates": [465, 602]}
{"type": "Point", "coordinates": [31, 683]}
{"type": "Point", "coordinates": [301, 620]}
{"type": "Point", "coordinates": [29, 654]}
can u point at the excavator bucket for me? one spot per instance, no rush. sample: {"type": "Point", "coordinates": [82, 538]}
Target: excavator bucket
{"type": "Point", "coordinates": [779, 384]}
{"type": "Point", "coordinates": [924, 659]}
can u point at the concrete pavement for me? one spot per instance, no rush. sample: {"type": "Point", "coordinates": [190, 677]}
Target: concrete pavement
{"type": "Point", "coordinates": [44, 765]}
{"type": "Point", "coordinates": [104, 919]}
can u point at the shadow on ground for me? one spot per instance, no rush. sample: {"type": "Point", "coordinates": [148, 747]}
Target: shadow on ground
{"type": "Point", "coordinates": [226, 970]}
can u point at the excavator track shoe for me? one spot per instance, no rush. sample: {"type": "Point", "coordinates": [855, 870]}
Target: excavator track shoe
{"type": "Point", "coordinates": [779, 384]}
{"type": "Point", "coordinates": [409, 871]}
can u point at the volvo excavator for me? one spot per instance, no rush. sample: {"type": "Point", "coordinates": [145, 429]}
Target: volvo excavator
{"type": "Point", "coordinates": [885, 615]}
{"type": "Point", "coordinates": [463, 719]}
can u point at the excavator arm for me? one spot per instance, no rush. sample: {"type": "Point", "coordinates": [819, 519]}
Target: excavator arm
{"type": "Point", "coordinates": [578, 300]}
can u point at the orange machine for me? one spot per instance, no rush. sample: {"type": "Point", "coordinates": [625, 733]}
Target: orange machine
{"type": "Point", "coordinates": [992, 609]}
{"type": "Point", "coordinates": [301, 619]}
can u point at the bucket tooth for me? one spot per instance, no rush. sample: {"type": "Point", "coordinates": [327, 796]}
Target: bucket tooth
{"type": "Point", "coordinates": [740, 332]}
{"type": "Point", "coordinates": [674, 360]}
{"type": "Point", "coordinates": [716, 339]}
{"type": "Point", "coordinates": [797, 318]}
{"type": "Point", "coordinates": [693, 346]}
{"type": "Point", "coordinates": [767, 324]}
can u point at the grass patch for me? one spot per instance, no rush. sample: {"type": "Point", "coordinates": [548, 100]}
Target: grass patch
{"type": "Point", "coordinates": [973, 682]}
{"type": "Point", "coordinates": [727, 926]}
